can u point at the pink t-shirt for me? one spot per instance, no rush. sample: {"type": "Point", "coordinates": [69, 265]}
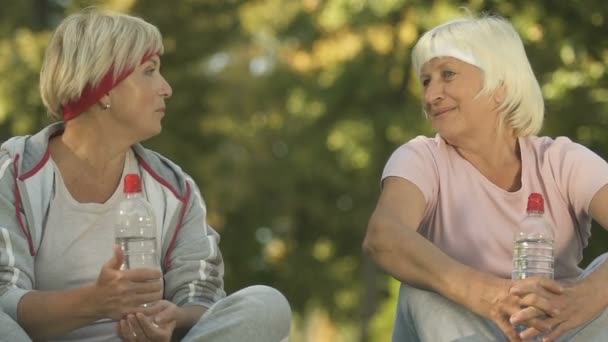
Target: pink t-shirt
{"type": "Point", "coordinates": [473, 220]}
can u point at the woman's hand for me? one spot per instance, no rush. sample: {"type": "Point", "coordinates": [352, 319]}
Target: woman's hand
{"type": "Point", "coordinates": [575, 306]}
{"type": "Point", "coordinates": [118, 293]}
{"type": "Point", "coordinates": [155, 324]}
{"type": "Point", "coordinates": [502, 303]}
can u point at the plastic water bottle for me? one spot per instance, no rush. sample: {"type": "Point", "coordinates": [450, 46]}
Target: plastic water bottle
{"type": "Point", "coordinates": [136, 227]}
{"type": "Point", "coordinates": [533, 247]}
{"type": "Point", "coordinates": [533, 243]}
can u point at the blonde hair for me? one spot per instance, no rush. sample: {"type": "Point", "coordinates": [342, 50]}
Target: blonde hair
{"type": "Point", "coordinates": [494, 46]}
{"type": "Point", "coordinates": [83, 49]}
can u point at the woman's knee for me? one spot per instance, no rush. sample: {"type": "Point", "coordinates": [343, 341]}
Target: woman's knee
{"type": "Point", "coordinates": [11, 330]}
{"type": "Point", "coordinates": [267, 308]}
{"type": "Point", "coordinates": [421, 312]}
{"type": "Point", "coordinates": [412, 300]}
{"type": "Point", "coordinates": [594, 265]}
{"type": "Point", "coordinates": [255, 313]}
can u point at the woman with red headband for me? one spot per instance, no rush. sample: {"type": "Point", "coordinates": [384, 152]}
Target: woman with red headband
{"type": "Point", "coordinates": [60, 276]}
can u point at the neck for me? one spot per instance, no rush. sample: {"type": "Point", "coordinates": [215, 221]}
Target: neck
{"type": "Point", "coordinates": [493, 151]}
{"type": "Point", "coordinates": [89, 149]}
{"type": "Point", "coordinates": [93, 141]}
{"type": "Point", "coordinates": [497, 157]}
{"type": "Point", "coordinates": [90, 155]}
{"type": "Point", "coordinates": [94, 154]}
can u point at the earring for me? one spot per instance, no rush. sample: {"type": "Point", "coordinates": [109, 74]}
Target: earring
{"type": "Point", "coordinates": [106, 106]}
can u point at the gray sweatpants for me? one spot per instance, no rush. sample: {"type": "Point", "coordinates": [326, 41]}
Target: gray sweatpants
{"type": "Point", "coordinates": [254, 314]}
{"type": "Point", "coordinates": [424, 316]}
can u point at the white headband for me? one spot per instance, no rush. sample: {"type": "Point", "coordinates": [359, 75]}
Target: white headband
{"type": "Point", "coordinates": [450, 51]}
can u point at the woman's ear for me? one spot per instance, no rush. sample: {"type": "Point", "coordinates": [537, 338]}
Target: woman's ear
{"type": "Point", "coordinates": [500, 94]}
{"type": "Point", "coordinates": [104, 102]}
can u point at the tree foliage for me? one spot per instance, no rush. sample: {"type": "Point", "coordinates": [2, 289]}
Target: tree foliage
{"type": "Point", "coordinates": [286, 111]}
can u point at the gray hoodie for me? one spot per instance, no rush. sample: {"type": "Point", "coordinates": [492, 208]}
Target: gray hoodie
{"type": "Point", "coordinates": [191, 261]}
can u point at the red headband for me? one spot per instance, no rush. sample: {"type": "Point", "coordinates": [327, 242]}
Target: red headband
{"type": "Point", "coordinates": [90, 95]}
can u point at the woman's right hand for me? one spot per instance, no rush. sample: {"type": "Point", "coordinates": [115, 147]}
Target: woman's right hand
{"type": "Point", "coordinates": [156, 324]}
{"type": "Point", "coordinates": [504, 303]}
{"type": "Point", "coordinates": [118, 293]}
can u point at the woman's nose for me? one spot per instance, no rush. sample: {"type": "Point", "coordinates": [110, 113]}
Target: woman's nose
{"type": "Point", "coordinates": [166, 91]}
{"type": "Point", "coordinates": [433, 92]}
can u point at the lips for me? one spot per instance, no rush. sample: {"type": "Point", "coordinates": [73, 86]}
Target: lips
{"type": "Point", "coordinates": [441, 111]}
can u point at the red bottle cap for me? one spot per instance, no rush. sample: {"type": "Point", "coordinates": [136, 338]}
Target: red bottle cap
{"type": "Point", "coordinates": [132, 183]}
{"type": "Point", "coordinates": [536, 202]}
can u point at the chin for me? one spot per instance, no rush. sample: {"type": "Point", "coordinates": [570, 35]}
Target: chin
{"type": "Point", "coordinates": [443, 132]}
{"type": "Point", "coordinates": [439, 128]}
{"type": "Point", "coordinates": [150, 134]}
{"type": "Point", "coordinates": [157, 128]}
{"type": "Point", "coordinates": [156, 132]}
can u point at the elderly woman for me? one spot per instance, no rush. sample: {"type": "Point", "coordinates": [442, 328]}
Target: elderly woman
{"type": "Point", "coordinates": [60, 276]}
{"type": "Point", "coordinates": [450, 205]}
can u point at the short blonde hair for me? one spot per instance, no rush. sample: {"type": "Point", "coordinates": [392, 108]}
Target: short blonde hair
{"type": "Point", "coordinates": [496, 48]}
{"type": "Point", "coordinates": [85, 46]}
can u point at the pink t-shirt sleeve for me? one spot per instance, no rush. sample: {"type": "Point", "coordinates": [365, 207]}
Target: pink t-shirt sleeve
{"type": "Point", "coordinates": [414, 161]}
{"type": "Point", "coordinates": [579, 173]}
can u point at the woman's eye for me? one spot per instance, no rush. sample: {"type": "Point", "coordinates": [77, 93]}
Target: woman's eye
{"type": "Point", "coordinates": [425, 82]}
{"type": "Point", "coordinates": [448, 74]}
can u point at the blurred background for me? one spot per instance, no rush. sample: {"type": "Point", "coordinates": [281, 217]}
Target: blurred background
{"type": "Point", "coordinates": [285, 111]}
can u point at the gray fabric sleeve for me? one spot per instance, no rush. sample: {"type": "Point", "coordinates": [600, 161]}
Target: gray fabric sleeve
{"type": "Point", "coordinates": [16, 263]}
{"type": "Point", "coordinates": [197, 269]}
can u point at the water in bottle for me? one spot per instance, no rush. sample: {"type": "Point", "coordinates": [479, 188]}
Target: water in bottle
{"type": "Point", "coordinates": [136, 227]}
{"type": "Point", "coordinates": [533, 247]}
{"type": "Point", "coordinates": [533, 243]}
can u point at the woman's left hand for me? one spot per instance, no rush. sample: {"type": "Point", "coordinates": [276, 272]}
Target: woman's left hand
{"type": "Point", "coordinates": [576, 306]}
{"type": "Point", "coordinates": [155, 324]}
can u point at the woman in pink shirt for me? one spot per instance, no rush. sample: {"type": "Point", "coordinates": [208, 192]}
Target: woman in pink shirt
{"type": "Point", "coordinates": [450, 205]}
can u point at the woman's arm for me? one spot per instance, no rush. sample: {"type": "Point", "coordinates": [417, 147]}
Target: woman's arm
{"type": "Point", "coordinates": [46, 314]}
{"type": "Point", "coordinates": [195, 275]}
{"type": "Point", "coordinates": [393, 242]}
{"type": "Point", "coordinates": [599, 212]}
{"type": "Point", "coordinates": [187, 317]}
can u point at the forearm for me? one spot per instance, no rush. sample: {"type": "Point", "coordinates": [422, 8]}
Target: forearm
{"type": "Point", "coordinates": [187, 317]}
{"type": "Point", "coordinates": [412, 259]}
{"type": "Point", "coordinates": [45, 314]}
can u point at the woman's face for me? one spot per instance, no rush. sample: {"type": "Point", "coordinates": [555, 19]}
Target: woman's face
{"type": "Point", "coordinates": [453, 102]}
{"type": "Point", "coordinates": [138, 102]}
